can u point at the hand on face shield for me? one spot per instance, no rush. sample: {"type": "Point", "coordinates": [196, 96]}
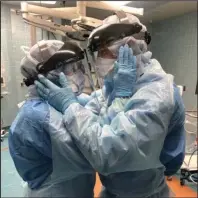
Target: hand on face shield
{"type": "Point", "coordinates": [59, 98]}
{"type": "Point", "coordinates": [125, 77]}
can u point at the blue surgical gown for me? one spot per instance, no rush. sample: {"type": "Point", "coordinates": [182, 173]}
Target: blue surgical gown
{"type": "Point", "coordinates": [45, 155]}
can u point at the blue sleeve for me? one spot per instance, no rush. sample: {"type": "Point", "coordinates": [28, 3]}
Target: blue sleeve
{"type": "Point", "coordinates": [173, 151]}
{"type": "Point", "coordinates": [30, 128]}
{"type": "Point", "coordinates": [30, 145]}
{"type": "Point", "coordinates": [38, 124]}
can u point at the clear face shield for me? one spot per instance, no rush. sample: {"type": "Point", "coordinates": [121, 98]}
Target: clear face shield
{"type": "Point", "coordinates": [106, 55]}
{"type": "Point", "coordinates": [103, 62]}
{"type": "Point", "coordinates": [94, 76]}
{"type": "Point", "coordinates": [74, 73]}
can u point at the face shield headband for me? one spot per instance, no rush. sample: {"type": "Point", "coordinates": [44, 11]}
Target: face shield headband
{"type": "Point", "coordinates": [68, 53]}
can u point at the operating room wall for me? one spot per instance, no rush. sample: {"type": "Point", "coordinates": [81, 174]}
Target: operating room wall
{"type": "Point", "coordinates": [174, 44]}
{"type": "Point", "coordinates": [14, 34]}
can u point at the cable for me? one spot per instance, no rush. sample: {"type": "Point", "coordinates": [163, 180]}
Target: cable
{"type": "Point", "coordinates": [190, 132]}
{"type": "Point", "coordinates": [185, 163]}
{"type": "Point", "coordinates": [192, 178]}
{"type": "Point", "coordinates": [191, 156]}
{"type": "Point", "coordinates": [189, 122]}
{"type": "Point", "coordinates": [54, 36]}
{"type": "Point", "coordinates": [193, 110]}
{"type": "Point", "coordinates": [192, 123]}
{"type": "Point", "coordinates": [191, 115]}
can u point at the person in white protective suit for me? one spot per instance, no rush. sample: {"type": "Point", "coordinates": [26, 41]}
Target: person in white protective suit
{"type": "Point", "coordinates": [133, 132]}
{"type": "Point", "coordinates": [50, 169]}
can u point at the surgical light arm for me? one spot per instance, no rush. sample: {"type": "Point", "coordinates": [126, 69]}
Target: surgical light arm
{"type": "Point", "coordinates": [111, 7]}
{"type": "Point", "coordinates": [77, 15]}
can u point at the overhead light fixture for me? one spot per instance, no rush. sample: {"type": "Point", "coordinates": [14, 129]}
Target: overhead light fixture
{"type": "Point", "coordinates": [42, 2]}
{"type": "Point", "coordinates": [118, 3]}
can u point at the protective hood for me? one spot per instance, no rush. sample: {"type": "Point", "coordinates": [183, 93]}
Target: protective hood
{"type": "Point", "coordinates": [70, 52]}
{"type": "Point", "coordinates": [108, 33]}
{"type": "Point", "coordinates": [46, 56]}
{"type": "Point", "coordinates": [117, 27]}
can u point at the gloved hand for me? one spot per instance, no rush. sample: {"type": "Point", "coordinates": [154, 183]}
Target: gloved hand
{"type": "Point", "coordinates": [125, 78]}
{"type": "Point", "coordinates": [59, 97]}
{"type": "Point", "coordinates": [109, 81]}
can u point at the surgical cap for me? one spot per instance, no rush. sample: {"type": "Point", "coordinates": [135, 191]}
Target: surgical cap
{"type": "Point", "coordinates": [129, 19]}
{"type": "Point", "coordinates": [136, 42]}
{"type": "Point", "coordinates": [39, 53]}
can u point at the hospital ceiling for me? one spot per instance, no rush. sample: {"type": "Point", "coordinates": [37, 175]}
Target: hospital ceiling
{"type": "Point", "coordinates": [153, 10]}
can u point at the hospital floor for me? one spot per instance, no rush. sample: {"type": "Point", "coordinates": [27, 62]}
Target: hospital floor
{"type": "Point", "coordinates": [12, 185]}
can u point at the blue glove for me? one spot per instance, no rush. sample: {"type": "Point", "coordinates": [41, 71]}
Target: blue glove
{"type": "Point", "coordinates": [125, 78]}
{"type": "Point", "coordinates": [108, 86]}
{"type": "Point", "coordinates": [109, 81]}
{"type": "Point", "coordinates": [59, 98]}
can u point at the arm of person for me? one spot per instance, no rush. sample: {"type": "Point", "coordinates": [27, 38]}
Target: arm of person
{"type": "Point", "coordinates": [96, 103]}
{"type": "Point", "coordinates": [28, 128]}
{"type": "Point", "coordinates": [133, 137]}
{"type": "Point", "coordinates": [83, 99]}
{"type": "Point", "coordinates": [173, 151]}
